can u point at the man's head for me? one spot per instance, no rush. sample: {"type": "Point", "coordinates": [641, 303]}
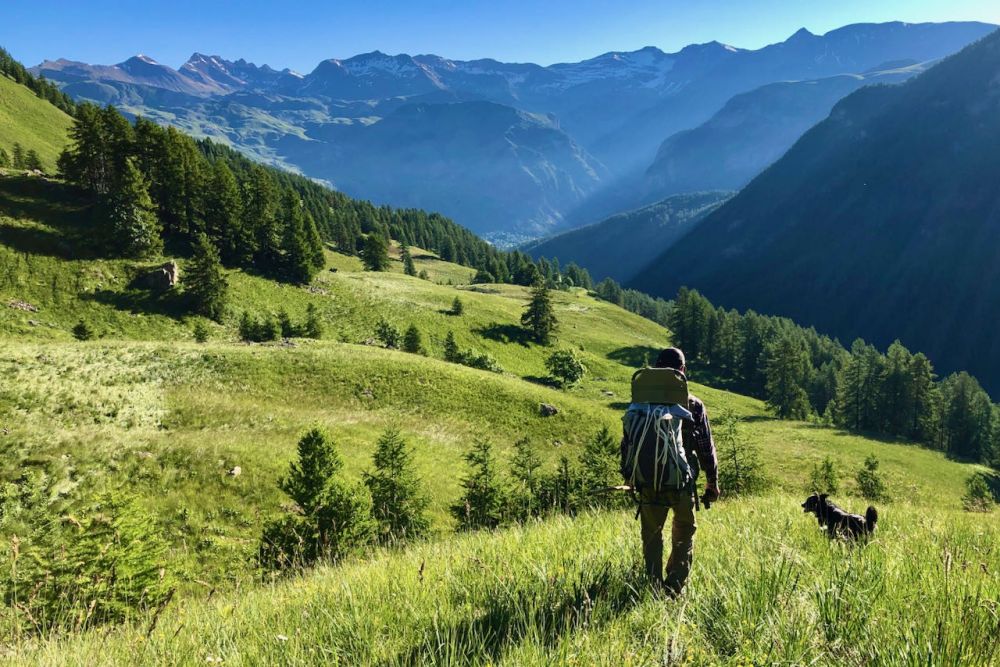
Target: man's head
{"type": "Point", "coordinates": [672, 357]}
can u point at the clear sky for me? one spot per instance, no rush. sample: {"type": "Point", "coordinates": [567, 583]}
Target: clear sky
{"type": "Point", "coordinates": [298, 34]}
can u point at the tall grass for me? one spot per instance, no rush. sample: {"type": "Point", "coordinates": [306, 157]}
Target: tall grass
{"type": "Point", "coordinates": [768, 587]}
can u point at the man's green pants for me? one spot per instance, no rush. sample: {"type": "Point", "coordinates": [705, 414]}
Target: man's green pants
{"type": "Point", "coordinates": [653, 513]}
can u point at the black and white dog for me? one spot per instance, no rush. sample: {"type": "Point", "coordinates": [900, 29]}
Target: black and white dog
{"type": "Point", "coordinates": [837, 521]}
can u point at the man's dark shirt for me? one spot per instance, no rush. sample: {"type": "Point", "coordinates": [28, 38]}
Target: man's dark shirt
{"type": "Point", "coordinates": [698, 439]}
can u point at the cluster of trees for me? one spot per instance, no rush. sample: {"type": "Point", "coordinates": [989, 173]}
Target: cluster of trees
{"type": "Point", "coordinates": [156, 185]}
{"type": "Point", "coordinates": [21, 159]}
{"type": "Point", "coordinates": [332, 517]}
{"type": "Point", "coordinates": [44, 89]}
{"type": "Point", "coordinates": [640, 303]}
{"type": "Point", "coordinates": [802, 374]}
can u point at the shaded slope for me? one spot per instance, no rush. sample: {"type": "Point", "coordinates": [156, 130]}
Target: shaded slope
{"type": "Point", "coordinates": [883, 221]}
{"type": "Point", "coordinates": [624, 244]}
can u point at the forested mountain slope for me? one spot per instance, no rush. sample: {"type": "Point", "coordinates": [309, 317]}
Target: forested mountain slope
{"type": "Point", "coordinates": [882, 221]}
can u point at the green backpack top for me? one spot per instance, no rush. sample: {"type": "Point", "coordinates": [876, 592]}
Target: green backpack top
{"type": "Point", "coordinates": [659, 386]}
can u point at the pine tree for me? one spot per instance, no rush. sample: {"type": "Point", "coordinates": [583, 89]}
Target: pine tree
{"type": "Point", "coordinates": [224, 214]}
{"type": "Point", "coordinates": [869, 480]}
{"type": "Point", "coordinates": [524, 467]}
{"type": "Point", "coordinates": [386, 332]}
{"type": "Point", "coordinates": [18, 160]}
{"type": "Point", "coordinates": [260, 214]}
{"type": "Point", "coordinates": [297, 247]}
{"type": "Point", "coordinates": [204, 281]}
{"type": "Point", "coordinates": [482, 501]}
{"type": "Point", "coordinates": [457, 307]}
{"type": "Point", "coordinates": [82, 331]}
{"type": "Point", "coordinates": [741, 471]}
{"type": "Point", "coordinates": [823, 478]}
{"type": "Point", "coordinates": [32, 161]}
{"type": "Point", "coordinates": [408, 267]}
{"type": "Point", "coordinates": [539, 317]}
{"type": "Point", "coordinates": [599, 466]}
{"type": "Point", "coordinates": [786, 368]}
{"type": "Point", "coordinates": [398, 503]}
{"type": "Point", "coordinates": [314, 326]}
{"type": "Point", "coordinates": [451, 351]}
{"type": "Point", "coordinates": [375, 254]}
{"type": "Point", "coordinates": [335, 517]}
{"type": "Point", "coordinates": [131, 216]}
{"type": "Point", "coordinates": [412, 340]}
{"type": "Point", "coordinates": [4, 159]}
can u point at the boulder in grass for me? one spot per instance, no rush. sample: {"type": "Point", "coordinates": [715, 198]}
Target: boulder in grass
{"type": "Point", "coordinates": [548, 410]}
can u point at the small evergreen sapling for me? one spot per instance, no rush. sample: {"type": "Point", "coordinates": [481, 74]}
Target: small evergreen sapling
{"type": "Point", "coordinates": [200, 332]}
{"type": "Point", "coordinates": [824, 478]}
{"type": "Point", "coordinates": [399, 505]}
{"type": "Point", "coordinates": [978, 497]}
{"type": "Point", "coordinates": [314, 326]}
{"type": "Point", "coordinates": [388, 334]}
{"type": "Point", "coordinates": [484, 493]}
{"type": "Point", "coordinates": [451, 352]}
{"type": "Point", "coordinates": [539, 317]}
{"type": "Point", "coordinates": [741, 471]}
{"type": "Point", "coordinates": [457, 307]}
{"type": "Point", "coordinates": [82, 331]}
{"type": "Point", "coordinates": [413, 342]}
{"type": "Point", "coordinates": [408, 266]}
{"type": "Point", "coordinates": [333, 517]}
{"type": "Point", "coordinates": [869, 479]}
{"type": "Point", "coordinates": [524, 496]}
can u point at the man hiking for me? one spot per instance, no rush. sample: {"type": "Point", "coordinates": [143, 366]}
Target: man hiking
{"type": "Point", "coordinates": [671, 484]}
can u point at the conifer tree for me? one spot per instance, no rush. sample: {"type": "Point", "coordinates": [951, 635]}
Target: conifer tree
{"type": "Point", "coordinates": [314, 326]}
{"type": "Point", "coordinates": [335, 517]}
{"type": "Point", "coordinates": [204, 281]}
{"type": "Point", "coordinates": [375, 254]}
{"type": "Point", "coordinates": [786, 368]}
{"type": "Point", "coordinates": [399, 505]}
{"type": "Point", "coordinates": [451, 351]}
{"type": "Point", "coordinates": [457, 307]}
{"type": "Point", "coordinates": [539, 317]}
{"type": "Point", "coordinates": [131, 216]}
{"type": "Point", "coordinates": [4, 159]}
{"type": "Point", "coordinates": [18, 156]}
{"type": "Point", "coordinates": [260, 213]}
{"type": "Point", "coordinates": [412, 340]}
{"type": "Point", "coordinates": [408, 267]}
{"type": "Point", "coordinates": [524, 467]}
{"type": "Point", "coordinates": [224, 215]}
{"type": "Point", "coordinates": [482, 501]}
{"type": "Point", "coordinates": [297, 248]}
{"type": "Point", "coordinates": [599, 466]}
{"type": "Point", "coordinates": [32, 161]}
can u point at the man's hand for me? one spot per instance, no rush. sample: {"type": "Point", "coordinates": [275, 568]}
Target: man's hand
{"type": "Point", "coordinates": [712, 492]}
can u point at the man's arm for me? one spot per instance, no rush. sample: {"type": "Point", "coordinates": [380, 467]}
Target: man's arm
{"type": "Point", "coordinates": [704, 445]}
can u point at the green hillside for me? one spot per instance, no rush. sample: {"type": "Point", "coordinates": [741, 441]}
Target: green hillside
{"type": "Point", "coordinates": [32, 122]}
{"type": "Point", "coordinates": [197, 435]}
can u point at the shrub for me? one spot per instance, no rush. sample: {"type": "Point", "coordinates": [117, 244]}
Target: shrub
{"type": "Point", "coordinates": [398, 503]}
{"type": "Point", "coordinates": [869, 480]}
{"type": "Point", "coordinates": [423, 275]}
{"type": "Point", "coordinates": [484, 493]}
{"type": "Point", "coordinates": [387, 334]}
{"type": "Point", "coordinates": [200, 332]}
{"type": "Point", "coordinates": [978, 497]}
{"type": "Point", "coordinates": [103, 568]}
{"type": "Point", "coordinates": [82, 331]}
{"type": "Point", "coordinates": [252, 330]}
{"type": "Point", "coordinates": [741, 471]}
{"type": "Point", "coordinates": [331, 519]}
{"type": "Point", "coordinates": [823, 478]}
{"type": "Point", "coordinates": [484, 361]}
{"type": "Point", "coordinates": [565, 367]}
{"type": "Point", "coordinates": [483, 277]}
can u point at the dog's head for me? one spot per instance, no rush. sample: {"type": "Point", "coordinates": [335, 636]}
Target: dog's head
{"type": "Point", "coordinates": [814, 503]}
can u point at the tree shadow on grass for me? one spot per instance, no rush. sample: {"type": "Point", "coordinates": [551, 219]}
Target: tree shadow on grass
{"type": "Point", "coordinates": [51, 219]}
{"type": "Point", "coordinates": [634, 356]}
{"type": "Point", "coordinates": [170, 303]}
{"type": "Point", "coordinates": [552, 383]}
{"type": "Point", "coordinates": [506, 620]}
{"type": "Point", "coordinates": [504, 333]}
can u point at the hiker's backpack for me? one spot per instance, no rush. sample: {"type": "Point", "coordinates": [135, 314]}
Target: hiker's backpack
{"type": "Point", "coordinates": [653, 444]}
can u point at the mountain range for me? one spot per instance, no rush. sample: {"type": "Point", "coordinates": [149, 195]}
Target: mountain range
{"type": "Point", "coordinates": [882, 221]}
{"type": "Point", "coordinates": [447, 134]}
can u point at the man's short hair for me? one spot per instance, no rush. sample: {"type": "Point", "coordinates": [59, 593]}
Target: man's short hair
{"type": "Point", "coordinates": [672, 357]}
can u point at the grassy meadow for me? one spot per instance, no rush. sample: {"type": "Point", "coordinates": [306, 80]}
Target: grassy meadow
{"type": "Point", "coordinates": [32, 122]}
{"type": "Point", "coordinates": [146, 408]}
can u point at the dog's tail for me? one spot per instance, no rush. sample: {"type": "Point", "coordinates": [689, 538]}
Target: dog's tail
{"type": "Point", "coordinates": [871, 518]}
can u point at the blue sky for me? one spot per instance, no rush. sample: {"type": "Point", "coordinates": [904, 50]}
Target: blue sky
{"type": "Point", "coordinates": [298, 34]}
